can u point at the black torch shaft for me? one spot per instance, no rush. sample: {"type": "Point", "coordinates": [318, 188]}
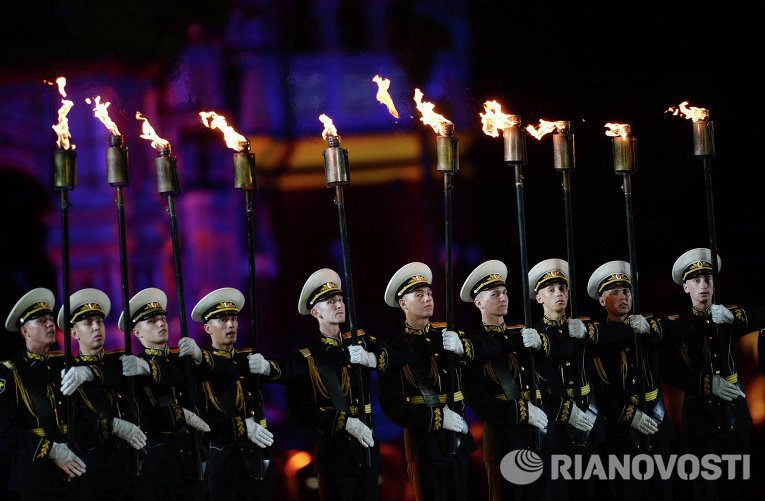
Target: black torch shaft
{"type": "Point", "coordinates": [65, 279]}
{"type": "Point", "coordinates": [712, 226]}
{"type": "Point", "coordinates": [569, 217]}
{"type": "Point", "coordinates": [348, 276]}
{"type": "Point", "coordinates": [449, 305]}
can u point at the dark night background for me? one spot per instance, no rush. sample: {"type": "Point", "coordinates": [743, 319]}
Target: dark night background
{"type": "Point", "coordinates": [272, 67]}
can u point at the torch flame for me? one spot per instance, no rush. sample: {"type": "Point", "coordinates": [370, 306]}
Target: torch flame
{"type": "Point", "coordinates": [689, 112]}
{"type": "Point", "coordinates": [494, 120]}
{"type": "Point", "coordinates": [101, 112]}
{"type": "Point", "coordinates": [234, 140]}
{"type": "Point", "coordinates": [149, 133]}
{"type": "Point", "coordinates": [616, 130]}
{"type": "Point", "coordinates": [429, 117]}
{"type": "Point", "coordinates": [382, 94]}
{"type": "Point", "coordinates": [61, 128]}
{"type": "Point", "coordinates": [545, 127]}
{"type": "Point", "coordinates": [329, 127]}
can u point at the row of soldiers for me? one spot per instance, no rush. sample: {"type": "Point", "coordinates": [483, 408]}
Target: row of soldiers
{"type": "Point", "coordinates": [561, 386]}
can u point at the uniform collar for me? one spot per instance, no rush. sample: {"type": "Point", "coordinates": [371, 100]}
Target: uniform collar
{"type": "Point", "coordinates": [92, 358]}
{"type": "Point", "coordinates": [30, 355]}
{"type": "Point", "coordinates": [219, 352]}
{"type": "Point", "coordinates": [698, 313]}
{"type": "Point", "coordinates": [417, 332]}
{"type": "Point", "coordinates": [330, 341]}
{"type": "Point", "coordinates": [495, 328]}
{"type": "Point", "coordinates": [555, 323]}
{"type": "Point", "coordinates": [157, 352]}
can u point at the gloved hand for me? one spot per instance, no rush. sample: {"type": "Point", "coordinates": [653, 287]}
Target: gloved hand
{"type": "Point", "coordinates": [362, 357]}
{"type": "Point", "coordinates": [721, 314]}
{"type": "Point", "coordinates": [724, 390]}
{"type": "Point", "coordinates": [639, 324]}
{"type": "Point", "coordinates": [134, 366]}
{"type": "Point", "coordinates": [258, 364]}
{"type": "Point", "coordinates": [531, 338]}
{"type": "Point", "coordinates": [258, 435]}
{"type": "Point", "coordinates": [195, 421]}
{"type": "Point", "coordinates": [72, 379]}
{"type": "Point", "coordinates": [129, 432]}
{"type": "Point", "coordinates": [187, 347]}
{"type": "Point", "coordinates": [453, 421]}
{"type": "Point", "coordinates": [66, 460]}
{"type": "Point", "coordinates": [576, 328]}
{"type": "Point", "coordinates": [578, 419]}
{"type": "Point", "coordinates": [359, 431]}
{"type": "Point", "coordinates": [644, 424]}
{"type": "Point", "coordinates": [537, 417]}
{"type": "Point", "coordinates": [452, 342]}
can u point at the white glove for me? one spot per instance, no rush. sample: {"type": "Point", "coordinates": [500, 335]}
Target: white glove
{"type": "Point", "coordinates": [724, 390]}
{"type": "Point", "coordinates": [65, 459]}
{"type": "Point", "coordinates": [257, 434]}
{"type": "Point", "coordinates": [195, 421]}
{"type": "Point", "coordinates": [537, 417]}
{"type": "Point", "coordinates": [359, 431]}
{"type": "Point", "coordinates": [452, 342]}
{"type": "Point", "coordinates": [129, 432]}
{"type": "Point", "coordinates": [362, 357]}
{"type": "Point", "coordinates": [453, 421]}
{"type": "Point", "coordinates": [258, 364]}
{"type": "Point", "coordinates": [134, 366]}
{"type": "Point", "coordinates": [721, 314]}
{"type": "Point", "coordinates": [576, 328]}
{"type": "Point", "coordinates": [72, 379]}
{"type": "Point", "coordinates": [531, 338]}
{"type": "Point", "coordinates": [187, 347]}
{"type": "Point", "coordinates": [644, 424]}
{"type": "Point", "coordinates": [639, 324]}
{"type": "Point", "coordinates": [578, 419]}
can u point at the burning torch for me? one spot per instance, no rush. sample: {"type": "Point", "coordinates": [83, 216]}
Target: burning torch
{"type": "Point", "coordinates": [244, 180]}
{"type": "Point", "coordinates": [168, 187]}
{"type": "Point", "coordinates": [64, 180]}
{"type": "Point", "coordinates": [448, 165]}
{"type": "Point", "coordinates": [625, 164]}
{"type": "Point", "coordinates": [117, 176]}
{"type": "Point", "coordinates": [493, 121]}
{"type": "Point", "coordinates": [337, 173]}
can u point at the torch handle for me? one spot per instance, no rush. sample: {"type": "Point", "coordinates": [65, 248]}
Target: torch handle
{"type": "Point", "coordinates": [69, 405]}
{"type": "Point", "coordinates": [569, 215]}
{"type": "Point", "coordinates": [187, 372]}
{"type": "Point", "coordinates": [360, 399]}
{"type": "Point", "coordinates": [132, 411]}
{"type": "Point", "coordinates": [449, 305]}
{"type": "Point", "coordinates": [711, 222]}
{"type": "Point", "coordinates": [254, 330]}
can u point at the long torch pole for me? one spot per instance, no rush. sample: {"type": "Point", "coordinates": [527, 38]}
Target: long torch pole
{"type": "Point", "coordinates": [625, 164]}
{"type": "Point", "coordinates": [65, 179]}
{"type": "Point", "coordinates": [117, 176]}
{"type": "Point", "coordinates": [244, 180]}
{"type": "Point", "coordinates": [337, 173]}
{"type": "Point", "coordinates": [168, 187]}
{"type": "Point", "coordinates": [448, 165]}
{"type": "Point", "coordinates": [564, 161]}
{"type": "Point", "coordinates": [515, 157]}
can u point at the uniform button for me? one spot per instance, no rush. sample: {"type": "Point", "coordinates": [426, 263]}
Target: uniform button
{"type": "Point", "coordinates": [627, 348]}
{"type": "Point", "coordinates": [249, 393]}
{"type": "Point", "coordinates": [570, 383]}
{"type": "Point", "coordinates": [444, 371]}
{"type": "Point", "coordinates": [714, 355]}
{"type": "Point", "coordinates": [709, 337]}
{"type": "Point", "coordinates": [436, 355]}
{"type": "Point", "coordinates": [523, 368]}
{"type": "Point", "coordinates": [568, 364]}
{"type": "Point", "coordinates": [633, 381]}
{"type": "Point", "coordinates": [526, 387]}
{"type": "Point", "coordinates": [427, 339]}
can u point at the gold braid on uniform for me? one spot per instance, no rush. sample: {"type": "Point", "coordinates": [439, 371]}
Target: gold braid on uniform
{"type": "Point", "coordinates": [489, 373]}
{"type": "Point", "coordinates": [434, 374]}
{"type": "Point", "coordinates": [316, 382]}
{"type": "Point", "coordinates": [382, 360]}
{"type": "Point", "coordinates": [523, 412]}
{"type": "Point", "coordinates": [545, 344]}
{"type": "Point", "coordinates": [592, 332]}
{"type": "Point", "coordinates": [684, 354]}
{"type": "Point", "coordinates": [706, 385]}
{"type": "Point", "coordinates": [239, 398]}
{"type": "Point", "coordinates": [43, 449]}
{"type": "Point", "coordinates": [21, 390]}
{"type": "Point", "coordinates": [600, 369]}
{"type": "Point", "coordinates": [438, 420]}
{"type": "Point", "coordinates": [629, 411]}
{"type": "Point", "coordinates": [565, 411]}
{"type": "Point", "coordinates": [623, 355]}
{"type": "Point", "coordinates": [340, 421]}
{"type": "Point", "coordinates": [210, 396]}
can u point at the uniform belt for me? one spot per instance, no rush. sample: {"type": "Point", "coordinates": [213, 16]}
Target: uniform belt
{"type": "Point", "coordinates": [733, 378]}
{"type": "Point", "coordinates": [458, 397]}
{"type": "Point", "coordinates": [355, 409]}
{"type": "Point", "coordinates": [651, 395]}
{"type": "Point", "coordinates": [584, 390]}
{"type": "Point", "coordinates": [524, 395]}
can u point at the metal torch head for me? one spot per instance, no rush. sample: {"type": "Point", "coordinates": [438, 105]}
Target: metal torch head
{"type": "Point", "coordinates": [167, 173]}
{"type": "Point", "coordinates": [515, 143]}
{"type": "Point", "coordinates": [64, 169]}
{"type": "Point", "coordinates": [447, 151]}
{"type": "Point", "coordinates": [625, 154]}
{"type": "Point", "coordinates": [116, 162]}
{"type": "Point", "coordinates": [244, 169]}
{"type": "Point", "coordinates": [336, 163]}
{"type": "Point", "coordinates": [564, 153]}
{"type": "Point", "coordinates": [704, 138]}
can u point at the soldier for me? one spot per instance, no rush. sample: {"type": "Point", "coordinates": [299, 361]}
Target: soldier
{"type": "Point", "coordinates": [99, 435]}
{"type": "Point", "coordinates": [628, 381]}
{"type": "Point", "coordinates": [414, 374]}
{"type": "Point", "coordinates": [168, 471]}
{"type": "Point", "coordinates": [31, 415]}
{"type": "Point", "coordinates": [236, 420]}
{"type": "Point", "coordinates": [323, 393]}
{"type": "Point", "coordinates": [716, 417]}
{"type": "Point", "coordinates": [498, 389]}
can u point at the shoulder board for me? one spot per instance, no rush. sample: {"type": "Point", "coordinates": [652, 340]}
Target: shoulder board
{"type": "Point", "coordinates": [347, 335]}
{"type": "Point", "coordinates": [516, 327]}
{"type": "Point", "coordinates": [306, 352]}
{"type": "Point", "coordinates": [174, 351]}
{"type": "Point", "coordinates": [114, 352]}
{"type": "Point", "coordinates": [438, 325]}
{"type": "Point", "coordinates": [585, 318]}
{"type": "Point", "coordinates": [731, 306]}
{"type": "Point", "coordinates": [673, 317]}
{"type": "Point", "coordinates": [55, 354]}
{"type": "Point", "coordinates": [243, 350]}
